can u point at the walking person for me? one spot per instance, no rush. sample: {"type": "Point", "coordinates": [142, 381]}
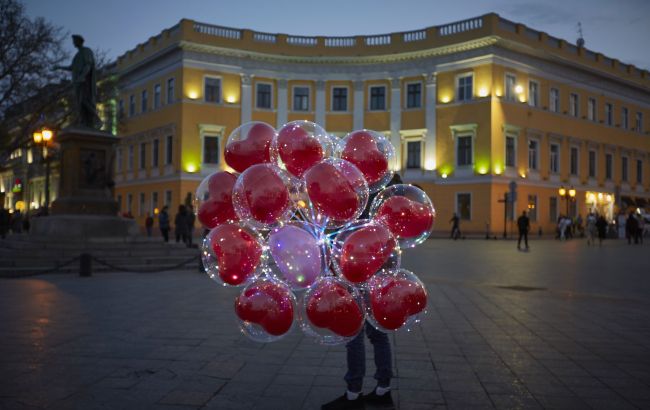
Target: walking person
{"type": "Point", "coordinates": [631, 226]}
{"type": "Point", "coordinates": [5, 220]}
{"type": "Point", "coordinates": [455, 229]}
{"type": "Point", "coordinates": [601, 226]}
{"type": "Point", "coordinates": [190, 225]}
{"type": "Point", "coordinates": [591, 229]}
{"type": "Point", "coordinates": [523, 224]}
{"type": "Point", "coordinates": [163, 223]}
{"type": "Point", "coordinates": [640, 228]}
{"type": "Point", "coordinates": [17, 222]}
{"type": "Point", "coordinates": [180, 224]}
{"type": "Point", "coordinates": [148, 224]}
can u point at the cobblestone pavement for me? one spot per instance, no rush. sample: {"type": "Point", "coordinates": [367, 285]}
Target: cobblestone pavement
{"type": "Point", "coordinates": [562, 326]}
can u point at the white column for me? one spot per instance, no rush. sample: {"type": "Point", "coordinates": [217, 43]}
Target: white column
{"type": "Point", "coordinates": [320, 103]}
{"type": "Point", "coordinates": [246, 99]}
{"type": "Point", "coordinates": [396, 121]}
{"type": "Point", "coordinates": [282, 103]}
{"type": "Point", "coordinates": [430, 161]}
{"type": "Point", "coordinates": [357, 113]}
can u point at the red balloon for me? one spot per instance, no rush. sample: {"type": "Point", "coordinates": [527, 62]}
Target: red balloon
{"type": "Point", "coordinates": [395, 301]}
{"type": "Point", "coordinates": [254, 149]}
{"type": "Point", "coordinates": [298, 150]}
{"type": "Point", "coordinates": [330, 192]}
{"type": "Point", "coordinates": [332, 307]}
{"type": "Point", "coordinates": [237, 252]}
{"type": "Point", "coordinates": [361, 150]}
{"type": "Point", "coordinates": [217, 208]}
{"type": "Point", "coordinates": [268, 305]}
{"type": "Point", "coordinates": [265, 193]}
{"type": "Point", "coordinates": [405, 218]}
{"type": "Point", "coordinates": [365, 251]}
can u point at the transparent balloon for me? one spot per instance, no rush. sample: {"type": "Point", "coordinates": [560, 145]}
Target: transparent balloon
{"type": "Point", "coordinates": [372, 153]}
{"type": "Point", "coordinates": [249, 144]}
{"type": "Point", "coordinates": [262, 196]}
{"type": "Point", "coordinates": [213, 199]}
{"type": "Point", "coordinates": [333, 193]}
{"type": "Point", "coordinates": [298, 252]}
{"type": "Point", "coordinates": [395, 300]}
{"type": "Point", "coordinates": [362, 249]}
{"type": "Point", "coordinates": [332, 311]}
{"type": "Point", "coordinates": [407, 211]}
{"type": "Point", "coordinates": [266, 309]}
{"type": "Point", "coordinates": [233, 254]}
{"type": "Point", "coordinates": [300, 144]}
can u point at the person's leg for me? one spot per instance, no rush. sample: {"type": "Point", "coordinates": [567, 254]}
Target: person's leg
{"type": "Point", "coordinates": [526, 238]}
{"type": "Point", "coordinates": [383, 358]}
{"type": "Point", "coordinates": [519, 240]}
{"type": "Point", "coordinates": [356, 359]}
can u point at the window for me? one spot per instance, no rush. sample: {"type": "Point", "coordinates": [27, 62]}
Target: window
{"type": "Point", "coordinates": [573, 105]}
{"type": "Point", "coordinates": [120, 108]}
{"type": "Point", "coordinates": [639, 122]}
{"type": "Point", "coordinates": [154, 203]}
{"type": "Point", "coordinates": [639, 171]}
{"type": "Point", "coordinates": [510, 151]}
{"type": "Point", "coordinates": [532, 207]}
{"type": "Point", "coordinates": [608, 166]}
{"type": "Point", "coordinates": [592, 164]}
{"type": "Point", "coordinates": [210, 149]}
{"type": "Point", "coordinates": [168, 198]}
{"type": "Point", "coordinates": [156, 96]}
{"type": "Point", "coordinates": [143, 155]}
{"type": "Point", "coordinates": [143, 101]}
{"type": "Point", "coordinates": [510, 87]}
{"type": "Point", "coordinates": [141, 204]}
{"type": "Point", "coordinates": [533, 94]}
{"type": "Point", "coordinates": [554, 100]}
{"type": "Point", "coordinates": [119, 202]}
{"type": "Point", "coordinates": [129, 164]}
{"type": "Point", "coordinates": [131, 105]}
{"type": "Point", "coordinates": [413, 154]}
{"type": "Point", "coordinates": [464, 206]}
{"type": "Point", "coordinates": [464, 151]}
{"type": "Point", "coordinates": [169, 150]}
{"type": "Point", "coordinates": [301, 98]}
{"type": "Point", "coordinates": [155, 149]}
{"type": "Point", "coordinates": [555, 158]}
{"type": "Point", "coordinates": [624, 169]}
{"type": "Point", "coordinates": [129, 202]}
{"type": "Point", "coordinates": [464, 87]}
{"type": "Point", "coordinates": [212, 89]}
{"type": "Point", "coordinates": [532, 154]}
{"type": "Point", "coordinates": [377, 98]}
{"type": "Point", "coordinates": [552, 209]}
{"type": "Point", "coordinates": [591, 109]}
{"type": "Point", "coordinates": [625, 121]}
{"type": "Point", "coordinates": [170, 90]}
{"type": "Point", "coordinates": [118, 160]}
{"type": "Point", "coordinates": [414, 95]}
{"type": "Point", "coordinates": [573, 168]}
{"type": "Point", "coordinates": [263, 96]}
{"type": "Point", "coordinates": [608, 114]}
{"type": "Point", "coordinates": [339, 99]}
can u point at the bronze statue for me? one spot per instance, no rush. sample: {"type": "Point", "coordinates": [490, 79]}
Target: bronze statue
{"type": "Point", "coordinates": [84, 83]}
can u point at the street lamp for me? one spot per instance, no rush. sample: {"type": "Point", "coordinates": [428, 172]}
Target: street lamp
{"type": "Point", "coordinates": [42, 138]}
{"type": "Point", "coordinates": [569, 195]}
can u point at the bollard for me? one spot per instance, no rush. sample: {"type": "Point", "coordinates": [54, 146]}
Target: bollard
{"type": "Point", "coordinates": [85, 265]}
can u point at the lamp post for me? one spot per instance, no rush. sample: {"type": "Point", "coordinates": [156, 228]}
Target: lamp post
{"type": "Point", "coordinates": [42, 138]}
{"type": "Point", "coordinates": [568, 195]}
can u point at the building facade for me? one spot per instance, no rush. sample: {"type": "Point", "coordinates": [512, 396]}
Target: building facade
{"type": "Point", "coordinates": [471, 107]}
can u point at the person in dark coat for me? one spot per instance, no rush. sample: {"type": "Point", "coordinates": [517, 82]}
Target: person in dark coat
{"type": "Point", "coordinates": [190, 225]}
{"type": "Point", "coordinates": [180, 224]}
{"type": "Point", "coordinates": [601, 226]}
{"type": "Point", "coordinates": [148, 224]}
{"type": "Point", "coordinates": [17, 222]}
{"type": "Point", "coordinates": [523, 224]}
{"type": "Point", "coordinates": [631, 226]}
{"type": "Point", "coordinates": [163, 223]}
{"type": "Point", "coordinates": [5, 220]}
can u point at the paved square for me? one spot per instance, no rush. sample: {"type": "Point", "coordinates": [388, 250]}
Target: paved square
{"type": "Point", "coordinates": [562, 326]}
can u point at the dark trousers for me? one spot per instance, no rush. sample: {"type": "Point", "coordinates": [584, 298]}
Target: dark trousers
{"type": "Point", "coordinates": [356, 355]}
{"type": "Point", "coordinates": [165, 234]}
{"type": "Point", "coordinates": [523, 234]}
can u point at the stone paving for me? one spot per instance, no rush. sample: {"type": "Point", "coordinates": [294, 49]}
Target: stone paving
{"type": "Point", "coordinates": [563, 326]}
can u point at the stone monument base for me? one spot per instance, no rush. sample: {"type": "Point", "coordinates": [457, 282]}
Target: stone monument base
{"type": "Point", "coordinates": [82, 227]}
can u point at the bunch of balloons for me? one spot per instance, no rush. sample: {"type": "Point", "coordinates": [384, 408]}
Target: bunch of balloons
{"type": "Point", "coordinates": [295, 228]}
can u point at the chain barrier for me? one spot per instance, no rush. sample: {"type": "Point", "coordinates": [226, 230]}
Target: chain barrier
{"type": "Point", "coordinates": [155, 270]}
{"type": "Point", "coordinates": [44, 271]}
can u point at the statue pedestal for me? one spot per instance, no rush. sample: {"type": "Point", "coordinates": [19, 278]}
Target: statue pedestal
{"type": "Point", "coordinates": [85, 206]}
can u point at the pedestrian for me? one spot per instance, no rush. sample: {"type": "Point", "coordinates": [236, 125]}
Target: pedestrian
{"type": "Point", "coordinates": [17, 222]}
{"type": "Point", "coordinates": [190, 225]}
{"type": "Point", "coordinates": [148, 224]}
{"type": "Point", "coordinates": [641, 228]}
{"type": "Point", "coordinates": [591, 229]}
{"type": "Point", "coordinates": [353, 398]}
{"type": "Point", "coordinates": [631, 226]}
{"type": "Point", "coordinates": [455, 229]}
{"type": "Point", "coordinates": [565, 226]}
{"type": "Point", "coordinates": [180, 224]}
{"type": "Point", "coordinates": [5, 221]}
{"type": "Point", "coordinates": [601, 226]}
{"type": "Point", "coordinates": [579, 227]}
{"type": "Point", "coordinates": [163, 223]}
{"type": "Point", "coordinates": [523, 224]}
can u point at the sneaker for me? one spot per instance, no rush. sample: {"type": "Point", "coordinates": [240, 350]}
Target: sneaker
{"type": "Point", "coordinates": [375, 401]}
{"type": "Point", "coordinates": [342, 403]}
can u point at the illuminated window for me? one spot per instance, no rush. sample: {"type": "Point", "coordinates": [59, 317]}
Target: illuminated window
{"type": "Point", "coordinates": [533, 154]}
{"type": "Point", "coordinates": [413, 154]}
{"type": "Point", "coordinates": [378, 98]}
{"type": "Point", "coordinates": [573, 105]}
{"type": "Point", "coordinates": [301, 98]}
{"type": "Point", "coordinates": [510, 87]}
{"type": "Point", "coordinates": [339, 98]}
{"type": "Point", "coordinates": [464, 87]}
{"type": "Point", "coordinates": [263, 96]}
{"type": "Point", "coordinates": [212, 90]}
{"type": "Point", "coordinates": [554, 158]}
{"type": "Point", "coordinates": [533, 93]}
{"type": "Point", "coordinates": [532, 207]}
{"type": "Point", "coordinates": [414, 95]}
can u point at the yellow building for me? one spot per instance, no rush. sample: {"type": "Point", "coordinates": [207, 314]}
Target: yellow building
{"type": "Point", "coordinates": [470, 106]}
